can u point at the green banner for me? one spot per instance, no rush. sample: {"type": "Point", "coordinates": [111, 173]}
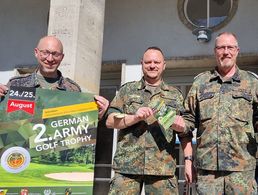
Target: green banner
{"type": "Point", "coordinates": [47, 142]}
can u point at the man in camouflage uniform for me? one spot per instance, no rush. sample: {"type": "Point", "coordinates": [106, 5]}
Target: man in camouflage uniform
{"type": "Point", "coordinates": [144, 155]}
{"type": "Point", "coordinates": [222, 105]}
{"type": "Point", "coordinates": [49, 54]}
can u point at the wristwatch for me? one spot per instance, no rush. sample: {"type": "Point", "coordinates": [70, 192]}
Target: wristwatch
{"type": "Point", "coordinates": [191, 158]}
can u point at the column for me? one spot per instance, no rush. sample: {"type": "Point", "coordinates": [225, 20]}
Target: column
{"type": "Point", "coordinates": [79, 24]}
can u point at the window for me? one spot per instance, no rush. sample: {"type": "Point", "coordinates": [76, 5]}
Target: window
{"type": "Point", "coordinates": [213, 14]}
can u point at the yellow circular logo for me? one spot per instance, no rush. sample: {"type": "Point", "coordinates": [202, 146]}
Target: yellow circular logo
{"type": "Point", "coordinates": [15, 159]}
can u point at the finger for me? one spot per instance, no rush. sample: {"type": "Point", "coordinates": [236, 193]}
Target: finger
{"type": "Point", "coordinates": [189, 179]}
{"type": "Point", "coordinates": [186, 179]}
{"type": "Point", "coordinates": [3, 93]}
{"type": "Point", "coordinates": [99, 99]}
{"type": "Point", "coordinates": [149, 111]}
{"type": "Point", "coordinates": [101, 102]}
{"type": "Point", "coordinates": [3, 90]}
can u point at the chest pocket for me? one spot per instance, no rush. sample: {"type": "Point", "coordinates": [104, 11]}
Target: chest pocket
{"type": "Point", "coordinates": [242, 105]}
{"type": "Point", "coordinates": [242, 95]}
{"type": "Point", "coordinates": [133, 104]}
{"type": "Point", "coordinates": [206, 105]}
{"type": "Point", "coordinates": [171, 102]}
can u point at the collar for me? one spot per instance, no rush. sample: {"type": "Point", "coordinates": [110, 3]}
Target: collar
{"type": "Point", "coordinates": [142, 85]}
{"type": "Point", "coordinates": [60, 84]}
{"type": "Point", "coordinates": [235, 78]}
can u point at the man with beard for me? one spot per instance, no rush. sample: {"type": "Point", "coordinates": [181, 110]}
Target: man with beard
{"type": "Point", "coordinates": [222, 105]}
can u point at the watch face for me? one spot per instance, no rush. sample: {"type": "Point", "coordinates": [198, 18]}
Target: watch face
{"type": "Point", "coordinates": [15, 159]}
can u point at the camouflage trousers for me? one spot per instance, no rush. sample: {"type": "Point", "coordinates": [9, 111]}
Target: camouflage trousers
{"type": "Point", "coordinates": [226, 183]}
{"type": "Point", "coordinates": [124, 184]}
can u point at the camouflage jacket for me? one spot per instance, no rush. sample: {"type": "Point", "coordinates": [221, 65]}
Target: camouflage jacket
{"type": "Point", "coordinates": [30, 80]}
{"type": "Point", "coordinates": [225, 115]}
{"type": "Point", "coordinates": [142, 149]}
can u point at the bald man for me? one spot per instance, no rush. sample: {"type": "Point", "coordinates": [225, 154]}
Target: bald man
{"type": "Point", "coordinates": [49, 54]}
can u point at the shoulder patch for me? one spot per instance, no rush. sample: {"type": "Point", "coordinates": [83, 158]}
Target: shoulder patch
{"type": "Point", "coordinates": [175, 88]}
{"type": "Point", "coordinates": [20, 77]}
{"type": "Point", "coordinates": [73, 83]}
{"type": "Point", "coordinates": [128, 83]}
{"type": "Point", "coordinates": [202, 73]}
{"type": "Point", "coordinates": [179, 90]}
{"type": "Point", "coordinates": [253, 74]}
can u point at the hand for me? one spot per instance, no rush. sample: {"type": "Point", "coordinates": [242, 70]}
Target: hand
{"type": "Point", "coordinates": [179, 124]}
{"type": "Point", "coordinates": [143, 113]}
{"type": "Point", "coordinates": [3, 90]}
{"type": "Point", "coordinates": [190, 172]}
{"type": "Point", "coordinates": [103, 104]}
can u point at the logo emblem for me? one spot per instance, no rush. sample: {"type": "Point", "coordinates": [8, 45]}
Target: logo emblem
{"type": "Point", "coordinates": [24, 191]}
{"type": "Point", "coordinates": [68, 191]}
{"type": "Point", "coordinates": [15, 159]}
{"type": "Point", "coordinates": [49, 192]}
{"type": "Point", "coordinates": [3, 191]}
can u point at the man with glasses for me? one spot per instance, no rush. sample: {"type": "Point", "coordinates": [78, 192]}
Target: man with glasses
{"type": "Point", "coordinates": [222, 105]}
{"type": "Point", "coordinates": [49, 54]}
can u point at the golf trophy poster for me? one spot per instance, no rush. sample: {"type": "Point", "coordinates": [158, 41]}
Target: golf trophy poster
{"type": "Point", "coordinates": [47, 142]}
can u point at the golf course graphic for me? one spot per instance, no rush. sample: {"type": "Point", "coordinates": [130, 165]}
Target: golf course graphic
{"type": "Point", "coordinates": [51, 150]}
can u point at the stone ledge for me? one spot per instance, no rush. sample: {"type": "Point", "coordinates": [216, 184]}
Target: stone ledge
{"type": "Point", "coordinates": [190, 62]}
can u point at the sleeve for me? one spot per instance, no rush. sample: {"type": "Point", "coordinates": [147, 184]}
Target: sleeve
{"type": "Point", "coordinates": [186, 135]}
{"type": "Point", "coordinates": [11, 82]}
{"type": "Point", "coordinates": [117, 104]}
{"type": "Point", "coordinates": [180, 102]}
{"type": "Point", "coordinates": [15, 81]}
{"type": "Point", "coordinates": [255, 111]}
{"type": "Point", "coordinates": [255, 115]}
{"type": "Point", "coordinates": [72, 85]}
{"type": "Point", "coordinates": [191, 113]}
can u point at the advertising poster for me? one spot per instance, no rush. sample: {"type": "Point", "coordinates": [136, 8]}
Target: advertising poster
{"type": "Point", "coordinates": [47, 142]}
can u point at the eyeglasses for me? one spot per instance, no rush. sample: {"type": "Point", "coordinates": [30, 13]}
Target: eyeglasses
{"type": "Point", "coordinates": [46, 53]}
{"type": "Point", "coordinates": [230, 48]}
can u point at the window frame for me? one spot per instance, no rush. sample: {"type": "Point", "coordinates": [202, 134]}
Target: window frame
{"type": "Point", "coordinates": [186, 21]}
